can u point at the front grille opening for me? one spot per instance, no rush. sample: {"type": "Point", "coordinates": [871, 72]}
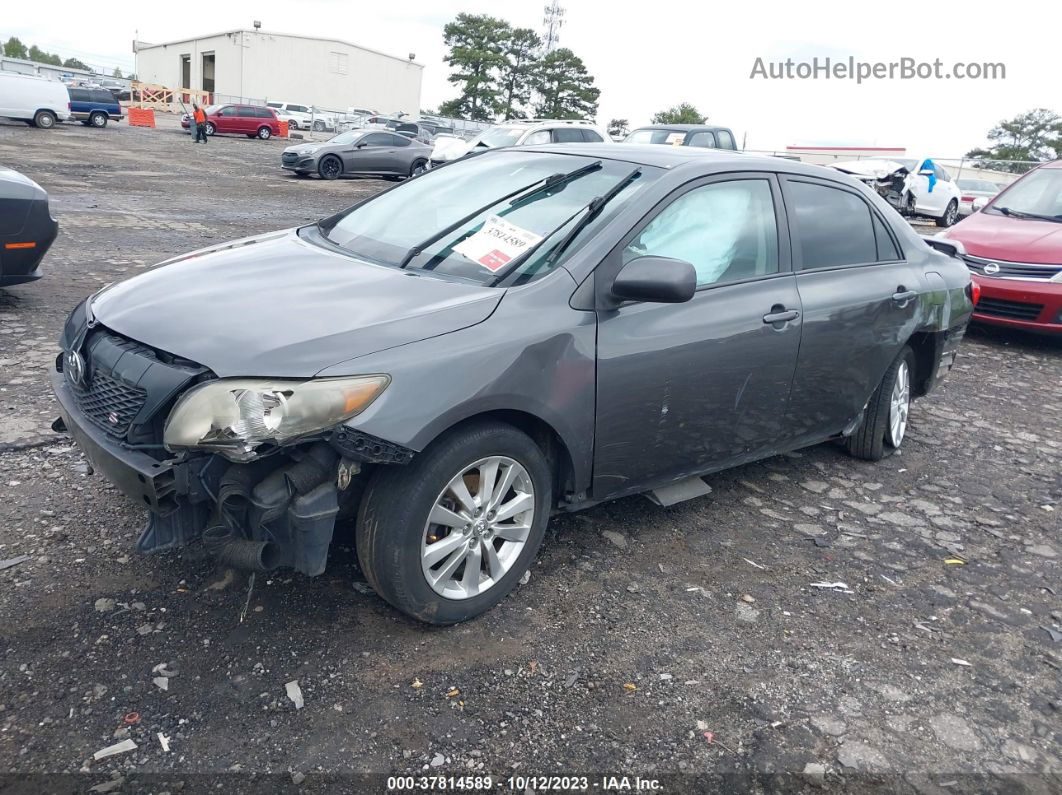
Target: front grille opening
{"type": "Point", "coordinates": [1014, 310]}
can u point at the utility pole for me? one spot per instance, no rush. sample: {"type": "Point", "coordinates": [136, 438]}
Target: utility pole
{"type": "Point", "coordinates": [552, 22]}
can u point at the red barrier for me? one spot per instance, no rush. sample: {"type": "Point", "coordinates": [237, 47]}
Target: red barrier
{"type": "Point", "coordinates": [141, 117]}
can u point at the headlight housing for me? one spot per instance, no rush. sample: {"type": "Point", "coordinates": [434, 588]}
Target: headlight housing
{"type": "Point", "coordinates": [233, 416]}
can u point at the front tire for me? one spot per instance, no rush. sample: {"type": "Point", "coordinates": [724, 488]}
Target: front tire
{"type": "Point", "coordinates": [44, 119]}
{"type": "Point", "coordinates": [884, 423]}
{"type": "Point", "coordinates": [330, 167]}
{"type": "Point", "coordinates": [98, 120]}
{"type": "Point", "coordinates": [950, 214]}
{"type": "Point", "coordinates": [448, 536]}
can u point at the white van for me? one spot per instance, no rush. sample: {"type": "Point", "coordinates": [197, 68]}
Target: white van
{"type": "Point", "coordinates": [34, 100]}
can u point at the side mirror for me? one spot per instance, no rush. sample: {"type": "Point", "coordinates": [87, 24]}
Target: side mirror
{"type": "Point", "coordinates": [660, 280]}
{"type": "Point", "coordinates": [979, 203]}
{"type": "Point", "coordinates": [360, 146]}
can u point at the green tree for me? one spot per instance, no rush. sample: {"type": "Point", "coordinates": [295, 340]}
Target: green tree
{"type": "Point", "coordinates": [1034, 135]}
{"type": "Point", "coordinates": [476, 43]}
{"type": "Point", "coordinates": [520, 51]}
{"type": "Point", "coordinates": [40, 56]}
{"type": "Point", "coordinates": [618, 127]}
{"type": "Point", "coordinates": [13, 48]}
{"type": "Point", "coordinates": [566, 90]}
{"type": "Point", "coordinates": [74, 63]}
{"type": "Point", "coordinates": [117, 72]}
{"type": "Point", "coordinates": [680, 114]}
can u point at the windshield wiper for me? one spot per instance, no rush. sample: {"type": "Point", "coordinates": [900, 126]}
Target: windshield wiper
{"type": "Point", "coordinates": [552, 181]}
{"type": "Point", "coordinates": [591, 211]}
{"type": "Point", "coordinates": [1020, 214]}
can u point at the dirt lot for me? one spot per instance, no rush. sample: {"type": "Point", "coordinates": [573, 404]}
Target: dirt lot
{"type": "Point", "coordinates": [936, 670]}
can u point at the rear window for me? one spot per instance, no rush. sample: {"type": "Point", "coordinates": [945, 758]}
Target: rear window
{"type": "Point", "coordinates": [567, 135]}
{"type": "Point", "coordinates": [264, 113]}
{"type": "Point", "coordinates": [590, 136]}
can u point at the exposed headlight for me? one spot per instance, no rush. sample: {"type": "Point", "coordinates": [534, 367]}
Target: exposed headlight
{"type": "Point", "coordinates": [233, 416]}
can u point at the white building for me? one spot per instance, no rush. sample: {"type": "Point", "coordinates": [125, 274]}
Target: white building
{"type": "Point", "coordinates": [257, 66]}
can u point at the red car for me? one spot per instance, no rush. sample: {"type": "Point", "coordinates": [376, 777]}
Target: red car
{"type": "Point", "coordinates": [1014, 252]}
{"type": "Point", "coordinates": [254, 121]}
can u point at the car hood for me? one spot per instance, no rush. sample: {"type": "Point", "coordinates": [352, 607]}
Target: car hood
{"type": "Point", "coordinates": [450, 149]}
{"type": "Point", "coordinates": [1010, 239]}
{"type": "Point", "coordinates": [278, 306]}
{"type": "Point", "coordinates": [305, 149]}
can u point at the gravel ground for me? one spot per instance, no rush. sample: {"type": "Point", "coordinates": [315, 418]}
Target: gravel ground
{"type": "Point", "coordinates": [936, 668]}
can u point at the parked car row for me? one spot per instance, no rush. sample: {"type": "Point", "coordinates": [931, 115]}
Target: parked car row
{"type": "Point", "coordinates": [43, 102]}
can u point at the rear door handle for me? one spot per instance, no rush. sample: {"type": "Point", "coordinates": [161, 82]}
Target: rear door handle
{"type": "Point", "coordinates": [781, 317]}
{"type": "Point", "coordinates": [902, 296]}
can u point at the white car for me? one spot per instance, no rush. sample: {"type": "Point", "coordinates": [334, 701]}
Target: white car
{"type": "Point", "coordinates": [974, 189]}
{"type": "Point", "coordinates": [519, 133]}
{"type": "Point", "coordinates": [915, 187]}
{"type": "Point", "coordinates": [38, 101]}
{"type": "Point", "coordinates": [302, 117]}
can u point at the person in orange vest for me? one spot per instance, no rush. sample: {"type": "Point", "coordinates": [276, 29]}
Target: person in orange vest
{"type": "Point", "coordinates": [199, 120]}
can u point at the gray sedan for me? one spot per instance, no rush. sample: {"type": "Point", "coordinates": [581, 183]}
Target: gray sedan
{"type": "Point", "coordinates": [358, 152]}
{"type": "Point", "coordinates": [525, 331]}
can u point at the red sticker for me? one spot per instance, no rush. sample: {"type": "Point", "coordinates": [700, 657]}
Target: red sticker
{"type": "Point", "coordinates": [494, 260]}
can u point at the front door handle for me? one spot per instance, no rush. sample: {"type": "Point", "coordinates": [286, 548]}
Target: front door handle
{"type": "Point", "coordinates": [902, 295]}
{"type": "Point", "coordinates": [781, 317]}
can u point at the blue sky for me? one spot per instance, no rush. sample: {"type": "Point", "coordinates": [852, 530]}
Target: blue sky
{"type": "Point", "coordinates": [648, 56]}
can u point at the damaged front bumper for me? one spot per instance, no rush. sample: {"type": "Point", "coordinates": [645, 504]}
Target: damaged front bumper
{"type": "Point", "coordinates": [279, 510]}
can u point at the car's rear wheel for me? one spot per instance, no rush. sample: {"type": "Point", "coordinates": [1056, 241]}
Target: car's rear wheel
{"type": "Point", "coordinates": [950, 214]}
{"type": "Point", "coordinates": [448, 536]}
{"type": "Point", "coordinates": [885, 420]}
{"type": "Point", "coordinates": [98, 119]}
{"type": "Point", "coordinates": [44, 119]}
{"type": "Point", "coordinates": [210, 128]}
{"type": "Point", "coordinates": [418, 168]}
{"type": "Point", "coordinates": [330, 167]}
{"type": "Point", "coordinates": [264, 133]}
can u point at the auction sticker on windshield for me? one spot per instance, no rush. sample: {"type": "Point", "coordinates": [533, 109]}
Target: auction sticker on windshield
{"type": "Point", "coordinates": [497, 243]}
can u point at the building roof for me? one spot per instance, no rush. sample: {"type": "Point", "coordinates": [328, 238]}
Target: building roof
{"type": "Point", "coordinates": [143, 45]}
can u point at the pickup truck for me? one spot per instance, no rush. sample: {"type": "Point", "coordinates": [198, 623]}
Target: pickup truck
{"type": "Point", "coordinates": [701, 135]}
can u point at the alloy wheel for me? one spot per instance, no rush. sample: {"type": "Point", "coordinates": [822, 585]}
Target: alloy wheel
{"type": "Point", "coordinates": [477, 528]}
{"type": "Point", "coordinates": [330, 168]}
{"type": "Point", "coordinates": [899, 404]}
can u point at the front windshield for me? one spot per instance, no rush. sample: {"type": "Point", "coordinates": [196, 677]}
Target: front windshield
{"type": "Point", "coordinates": [348, 137]}
{"type": "Point", "coordinates": [654, 137]}
{"type": "Point", "coordinates": [498, 136]}
{"type": "Point", "coordinates": [1038, 194]}
{"type": "Point", "coordinates": [386, 229]}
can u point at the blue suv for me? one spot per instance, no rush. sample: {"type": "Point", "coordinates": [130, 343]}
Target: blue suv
{"type": "Point", "coordinates": [94, 106]}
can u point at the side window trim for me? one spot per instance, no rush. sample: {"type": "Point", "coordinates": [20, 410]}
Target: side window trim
{"type": "Point", "coordinates": [798, 256]}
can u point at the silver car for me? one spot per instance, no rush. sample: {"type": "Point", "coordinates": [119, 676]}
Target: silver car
{"type": "Point", "coordinates": [378, 152]}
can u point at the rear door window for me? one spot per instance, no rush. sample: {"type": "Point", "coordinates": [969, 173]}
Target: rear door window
{"type": "Point", "coordinates": [263, 113]}
{"type": "Point", "coordinates": [246, 111]}
{"type": "Point", "coordinates": [106, 97]}
{"type": "Point", "coordinates": [832, 227]}
{"type": "Point", "coordinates": [726, 140]}
{"type": "Point", "coordinates": [704, 138]}
{"type": "Point", "coordinates": [78, 95]}
{"type": "Point", "coordinates": [592, 136]}
{"type": "Point", "coordinates": [567, 135]}
{"type": "Point", "coordinates": [887, 250]}
{"type": "Point", "coordinates": [376, 139]}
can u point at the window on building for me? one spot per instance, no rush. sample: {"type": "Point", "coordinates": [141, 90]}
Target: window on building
{"type": "Point", "coordinates": [337, 63]}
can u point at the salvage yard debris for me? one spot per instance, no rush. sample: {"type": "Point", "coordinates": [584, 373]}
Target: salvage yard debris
{"type": "Point", "coordinates": [11, 562]}
{"type": "Point", "coordinates": [113, 750]}
{"type": "Point", "coordinates": [295, 693]}
{"type": "Point", "coordinates": [839, 587]}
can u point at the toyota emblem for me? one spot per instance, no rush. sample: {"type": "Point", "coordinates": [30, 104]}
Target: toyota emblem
{"type": "Point", "coordinates": [991, 267]}
{"type": "Point", "coordinates": [75, 369]}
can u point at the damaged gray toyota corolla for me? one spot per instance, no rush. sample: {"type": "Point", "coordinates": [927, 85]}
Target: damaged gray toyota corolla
{"type": "Point", "coordinates": [520, 332]}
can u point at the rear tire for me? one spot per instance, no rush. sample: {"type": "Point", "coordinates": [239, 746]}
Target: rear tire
{"type": "Point", "coordinates": [210, 128]}
{"type": "Point", "coordinates": [886, 413]}
{"type": "Point", "coordinates": [264, 133]}
{"type": "Point", "coordinates": [98, 119]}
{"type": "Point", "coordinates": [950, 214]}
{"type": "Point", "coordinates": [44, 119]}
{"type": "Point", "coordinates": [395, 534]}
{"type": "Point", "coordinates": [418, 168]}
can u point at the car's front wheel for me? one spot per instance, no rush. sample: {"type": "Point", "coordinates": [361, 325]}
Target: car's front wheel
{"type": "Point", "coordinates": [885, 419]}
{"type": "Point", "coordinates": [330, 167]}
{"type": "Point", "coordinates": [44, 119]}
{"type": "Point", "coordinates": [448, 536]}
{"type": "Point", "coordinates": [292, 124]}
{"type": "Point", "coordinates": [951, 214]}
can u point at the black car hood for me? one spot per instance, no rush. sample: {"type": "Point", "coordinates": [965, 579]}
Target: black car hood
{"type": "Point", "coordinates": [278, 306]}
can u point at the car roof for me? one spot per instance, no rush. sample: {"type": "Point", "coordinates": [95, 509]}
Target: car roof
{"type": "Point", "coordinates": [687, 157]}
{"type": "Point", "coordinates": [680, 127]}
